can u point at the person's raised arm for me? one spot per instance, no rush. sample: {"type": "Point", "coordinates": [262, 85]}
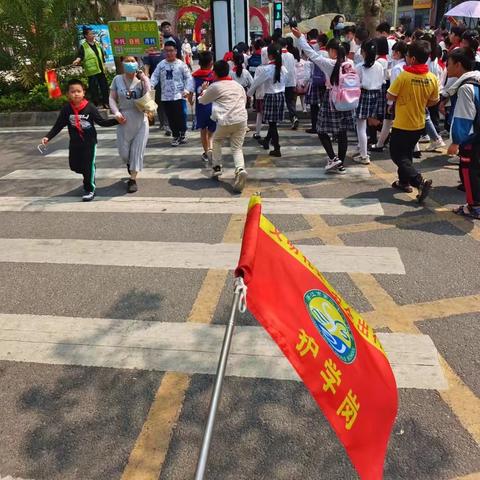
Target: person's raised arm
{"type": "Point", "coordinates": [313, 55]}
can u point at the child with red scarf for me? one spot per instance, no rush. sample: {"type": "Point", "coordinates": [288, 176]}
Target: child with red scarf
{"type": "Point", "coordinates": [203, 112]}
{"type": "Point", "coordinates": [80, 116]}
{"type": "Point", "coordinates": [413, 90]}
{"type": "Point", "coordinates": [228, 99]}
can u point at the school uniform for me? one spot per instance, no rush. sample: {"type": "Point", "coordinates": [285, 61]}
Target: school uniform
{"type": "Point", "coordinates": [329, 119]}
{"type": "Point", "coordinates": [274, 99]}
{"type": "Point", "coordinates": [83, 138]}
{"type": "Point", "coordinates": [371, 80]}
{"type": "Point", "coordinates": [288, 61]}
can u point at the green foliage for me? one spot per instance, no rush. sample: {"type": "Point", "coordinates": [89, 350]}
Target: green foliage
{"type": "Point", "coordinates": [35, 34]}
{"type": "Point", "coordinates": [35, 100]}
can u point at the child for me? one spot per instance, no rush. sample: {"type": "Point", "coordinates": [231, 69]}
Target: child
{"type": "Point", "coordinates": [253, 63]}
{"type": "Point", "coordinates": [371, 79]}
{"type": "Point", "coordinates": [176, 84]}
{"type": "Point", "coordinates": [316, 87]}
{"type": "Point", "coordinates": [229, 111]}
{"type": "Point", "coordinates": [302, 81]}
{"type": "Point", "coordinates": [465, 93]}
{"type": "Point", "coordinates": [288, 61]}
{"type": "Point", "coordinates": [383, 59]}
{"type": "Point", "coordinates": [413, 90]}
{"type": "Point", "coordinates": [239, 73]}
{"type": "Point", "coordinates": [80, 115]}
{"type": "Point", "coordinates": [272, 77]}
{"type": "Point", "coordinates": [330, 121]}
{"type": "Point", "coordinates": [399, 51]}
{"type": "Point", "coordinates": [203, 112]}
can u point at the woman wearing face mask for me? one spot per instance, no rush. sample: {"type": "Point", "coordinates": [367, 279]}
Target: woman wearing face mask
{"type": "Point", "coordinates": [132, 133]}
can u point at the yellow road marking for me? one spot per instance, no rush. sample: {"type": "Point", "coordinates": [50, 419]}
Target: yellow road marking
{"type": "Point", "coordinates": [148, 455]}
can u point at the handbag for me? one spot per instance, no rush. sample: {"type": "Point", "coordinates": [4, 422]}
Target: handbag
{"type": "Point", "coordinates": [147, 104]}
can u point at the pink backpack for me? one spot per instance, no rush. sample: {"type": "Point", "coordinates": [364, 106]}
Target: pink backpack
{"type": "Point", "coordinates": [346, 95]}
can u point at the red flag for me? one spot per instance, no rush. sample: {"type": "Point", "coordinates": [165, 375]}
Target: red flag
{"type": "Point", "coordinates": [52, 84]}
{"type": "Point", "coordinates": [334, 351]}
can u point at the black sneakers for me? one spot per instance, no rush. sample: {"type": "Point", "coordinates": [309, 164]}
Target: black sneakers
{"type": "Point", "coordinates": [424, 190]}
{"type": "Point", "coordinates": [131, 186]}
{"type": "Point", "coordinates": [217, 171]}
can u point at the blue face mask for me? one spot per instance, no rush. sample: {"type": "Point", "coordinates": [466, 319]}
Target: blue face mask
{"type": "Point", "coordinates": [130, 67]}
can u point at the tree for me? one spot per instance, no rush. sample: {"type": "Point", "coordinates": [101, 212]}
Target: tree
{"type": "Point", "coordinates": [35, 33]}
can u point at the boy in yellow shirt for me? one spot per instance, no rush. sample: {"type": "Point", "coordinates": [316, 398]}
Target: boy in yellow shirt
{"type": "Point", "coordinates": [413, 91]}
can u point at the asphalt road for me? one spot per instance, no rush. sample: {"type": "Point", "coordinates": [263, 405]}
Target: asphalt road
{"type": "Point", "coordinates": [72, 409]}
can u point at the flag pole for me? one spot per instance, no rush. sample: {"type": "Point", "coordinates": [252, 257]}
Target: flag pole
{"type": "Point", "coordinates": [238, 304]}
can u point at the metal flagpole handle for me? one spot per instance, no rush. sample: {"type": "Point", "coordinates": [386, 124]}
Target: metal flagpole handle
{"type": "Point", "coordinates": [239, 303]}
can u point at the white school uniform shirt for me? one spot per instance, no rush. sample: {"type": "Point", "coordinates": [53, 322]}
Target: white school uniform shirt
{"type": "Point", "coordinates": [265, 76]}
{"type": "Point", "coordinates": [245, 79]}
{"type": "Point", "coordinates": [325, 64]}
{"type": "Point", "coordinates": [397, 69]}
{"type": "Point", "coordinates": [289, 62]}
{"type": "Point", "coordinates": [371, 78]}
{"type": "Point", "coordinates": [384, 63]}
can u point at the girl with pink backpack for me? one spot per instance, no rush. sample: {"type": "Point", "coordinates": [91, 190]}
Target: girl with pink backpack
{"type": "Point", "coordinates": [338, 104]}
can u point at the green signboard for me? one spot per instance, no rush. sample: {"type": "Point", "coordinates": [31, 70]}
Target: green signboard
{"type": "Point", "coordinates": [133, 38]}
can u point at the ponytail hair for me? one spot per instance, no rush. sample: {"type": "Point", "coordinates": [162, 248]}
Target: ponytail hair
{"type": "Point", "coordinates": [335, 45]}
{"type": "Point", "coordinates": [274, 52]}
{"type": "Point", "coordinates": [238, 60]}
{"type": "Point", "coordinates": [370, 49]}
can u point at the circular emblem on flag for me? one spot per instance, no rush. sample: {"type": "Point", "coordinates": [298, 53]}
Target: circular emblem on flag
{"type": "Point", "coordinates": [330, 321]}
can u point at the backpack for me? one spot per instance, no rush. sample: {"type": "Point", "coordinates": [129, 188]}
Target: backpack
{"type": "Point", "coordinates": [476, 122]}
{"type": "Point", "coordinates": [318, 77]}
{"type": "Point", "coordinates": [253, 63]}
{"type": "Point", "coordinates": [346, 95]}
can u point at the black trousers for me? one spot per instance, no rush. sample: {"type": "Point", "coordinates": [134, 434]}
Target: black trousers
{"type": "Point", "coordinates": [342, 138]}
{"type": "Point", "coordinates": [176, 117]}
{"type": "Point", "coordinates": [470, 173]}
{"type": "Point", "coordinates": [402, 144]}
{"type": "Point", "coordinates": [272, 135]}
{"type": "Point", "coordinates": [98, 89]}
{"type": "Point", "coordinates": [291, 101]}
{"type": "Point", "coordinates": [82, 160]}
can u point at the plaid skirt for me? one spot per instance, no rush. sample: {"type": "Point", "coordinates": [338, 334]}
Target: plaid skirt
{"type": "Point", "coordinates": [368, 105]}
{"type": "Point", "coordinates": [315, 95]}
{"type": "Point", "coordinates": [331, 120]}
{"type": "Point", "coordinates": [273, 105]}
{"type": "Point", "coordinates": [382, 102]}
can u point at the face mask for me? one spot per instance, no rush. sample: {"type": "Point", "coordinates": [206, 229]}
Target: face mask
{"type": "Point", "coordinates": [340, 26]}
{"type": "Point", "coordinates": [130, 67]}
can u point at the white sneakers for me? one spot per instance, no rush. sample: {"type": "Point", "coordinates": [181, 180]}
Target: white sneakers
{"type": "Point", "coordinates": [332, 164]}
{"type": "Point", "coordinates": [435, 145]}
{"type": "Point", "coordinates": [240, 180]}
{"type": "Point", "coordinates": [363, 160]}
{"type": "Point", "coordinates": [88, 196]}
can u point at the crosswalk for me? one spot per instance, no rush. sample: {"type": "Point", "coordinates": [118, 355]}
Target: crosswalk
{"type": "Point", "coordinates": [133, 343]}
